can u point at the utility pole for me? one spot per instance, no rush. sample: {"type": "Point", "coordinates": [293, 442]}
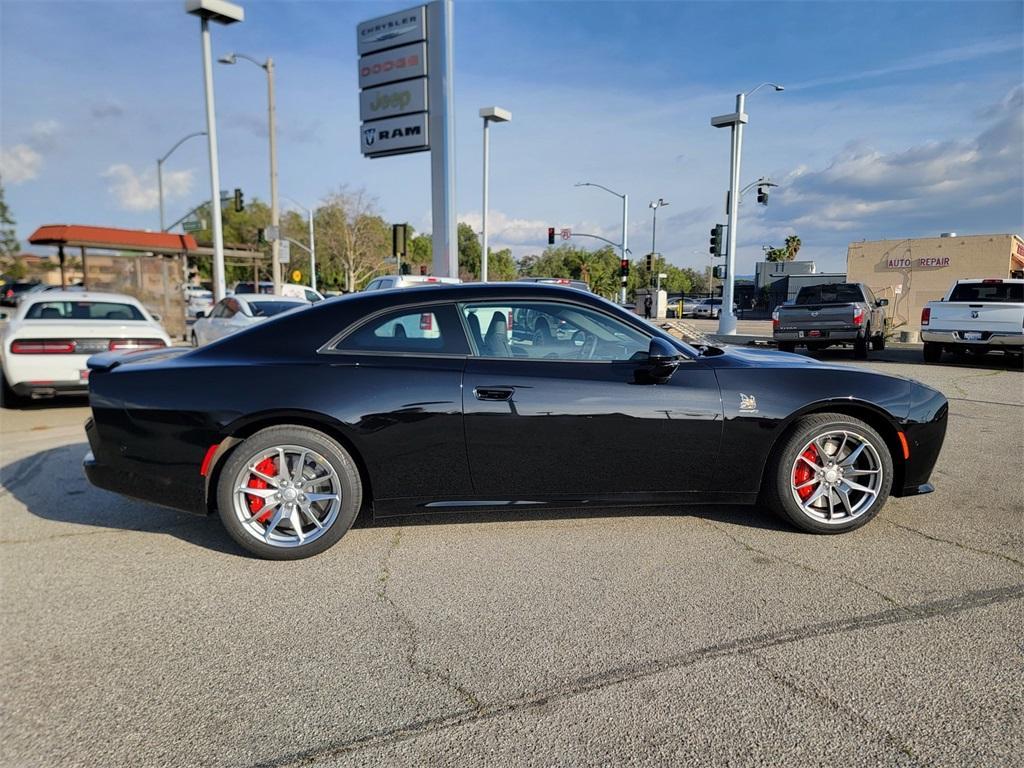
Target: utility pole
{"type": "Point", "coordinates": [496, 115]}
{"type": "Point", "coordinates": [275, 210]}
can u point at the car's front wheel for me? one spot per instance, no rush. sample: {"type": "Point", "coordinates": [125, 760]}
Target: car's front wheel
{"type": "Point", "coordinates": [831, 474]}
{"type": "Point", "coordinates": [289, 492]}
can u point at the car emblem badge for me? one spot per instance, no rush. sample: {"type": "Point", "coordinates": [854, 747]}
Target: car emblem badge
{"type": "Point", "coordinates": [974, 314]}
{"type": "Point", "coordinates": [814, 314]}
{"type": "Point", "coordinates": [748, 403]}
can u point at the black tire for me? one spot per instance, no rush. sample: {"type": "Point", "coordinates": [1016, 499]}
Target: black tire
{"type": "Point", "coordinates": [878, 342]}
{"type": "Point", "coordinates": [350, 491]}
{"type": "Point", "coordinates": [779, 492]}
{"type": "Point", "coordinates": [787, 346]}
{"type": "Point", "coordinates": [8, 397]}
{"type": "Point", "coordinates": [932, 352]}
{"type": "Point", "coordinates": [195, 341]}
{"type": "Point", "coordinates": [860, 347]}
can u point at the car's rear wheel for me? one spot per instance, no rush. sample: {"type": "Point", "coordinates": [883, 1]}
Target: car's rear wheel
{"type": "Point", "coordinates": [832, 474]}
{"type": "Point", "coordinates": [787, 346]}
{"type": "Point", "coordinates": [288, 492]}
{"type": "Point", "coordinates": [860, 346]}
{"type": "Point", "coordinates": [878, 342]}
{"type": "Point", "coordinates": [932, 352]}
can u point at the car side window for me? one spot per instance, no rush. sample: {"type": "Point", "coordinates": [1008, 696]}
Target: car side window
{"type": "Point", "coordinates": [230, 308]}
{"type": "Point", "coordinates": [546, 330]}
{"type": "Point", "coordinates": [373, 286]}
{"type": "Point", "coordinates": [218, 311]}
{"type": "Point", "coordinates": [430, 330]}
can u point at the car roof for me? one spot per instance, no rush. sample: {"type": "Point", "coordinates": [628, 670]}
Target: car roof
{"type": "Point", "coordinates": [46, 296]}
{"type": "Point", "coordinates": [264, 297]}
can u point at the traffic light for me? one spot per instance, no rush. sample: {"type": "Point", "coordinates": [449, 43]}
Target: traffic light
{"type": "Point", "coordinates": [716, 240]}
{"type": "Point", "coordinates": [762, 195]}
{"type": "Point", "coordinates": [719, 271]}
{"type": "Point", "coordinates": [239, 201]}
{"type": "Point", "coordinates": [423, 269]}
{"type": "Point", "coordinates": [261, 235]}
{"type": "Point", "coordinates": [650, 262]}
{"type": "Point", "coordinates": [404, 270]}
{"type": "Point", "coordinates": [399, 235]}
{"type": "Point", "coordinates": [551, 235]}
{"type": "Point", "coordinates": [624, 267]}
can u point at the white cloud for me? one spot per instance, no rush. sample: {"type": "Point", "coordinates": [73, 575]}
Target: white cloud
{"type": "Point", "coordinates": [19, 163]}
{"type": "Point", "coordinates": [138, 191]}
{"type": "Point", "coordinates": [23, 162]}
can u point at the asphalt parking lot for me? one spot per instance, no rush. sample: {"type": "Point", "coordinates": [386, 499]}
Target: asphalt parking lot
{"type": "Point", "coordinates": [135, 635]}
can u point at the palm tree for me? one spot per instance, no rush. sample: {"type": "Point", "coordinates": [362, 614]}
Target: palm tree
{"type": "Point", "coordinates": [792, 247]}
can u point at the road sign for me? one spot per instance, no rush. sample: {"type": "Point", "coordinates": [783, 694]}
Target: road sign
{"type": "Point", "coordinates": [566, 233]}
{"type": "Point", "coordinates": [271, 233]}
{"type": "Point", "coordinates": [296, 276]}
{"type": "Point", "coordinates": [193, 225]}
{"type": "Point", "coordinates": [284, 252]}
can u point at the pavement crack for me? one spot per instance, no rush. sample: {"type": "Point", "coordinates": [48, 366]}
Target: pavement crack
{"type": "Point", "coordinates": [742, 646]}
{"type": "Point", "coordinates": [843, 713]}
{"type": "Point", "coordinates": [430, 671]}
{"type": "Point", "coordinates": [960, 545]}
{"type": "Point", "coordinates": [805, 567]}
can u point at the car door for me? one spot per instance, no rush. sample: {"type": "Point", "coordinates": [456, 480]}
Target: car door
{"type": "Point", "coordinates": [403, 368]}
{"type": "Point", "coordinates": [558, 410]}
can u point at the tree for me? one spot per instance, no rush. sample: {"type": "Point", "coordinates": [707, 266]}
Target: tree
{"type": "Point", "coordinates": [9, 245]}
{"type": "Point", "coordinates": [792, 247]}
{"type": "Point", "coordinates": [469, 252]}
{"type": "Point", "coordinates": [775, 254]}
{"type": "Point", "coordinates": [501, 265]}
{"type": "Point", "coordinates": [353, 241]}
{"type": "Point", "coordinates": [420, 251]}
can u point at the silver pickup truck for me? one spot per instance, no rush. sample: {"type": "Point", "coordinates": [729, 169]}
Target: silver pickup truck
{"type": "Point", "coordinates": [833, 313]}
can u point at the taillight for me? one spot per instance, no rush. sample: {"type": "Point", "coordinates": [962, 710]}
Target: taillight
{"type": "Point", "coordinates": [775, 319]}
{"type": "Point", "coordinates": [426, 321]}
{"type": "Point", "coordinates": [858, 316]}
{"type": "Point", "coordinates": [116, 344]}
{"type": "Point", "coordinates": [992, 280]}
{"type": "Point", "coordinates": [926, 316]}
{"type": "Point", "coordinates": [10, 292]}
{"type": "Point", "coordinates": [43, 347]}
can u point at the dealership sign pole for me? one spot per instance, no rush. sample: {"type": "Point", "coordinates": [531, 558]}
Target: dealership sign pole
{"type": "Point", "coordinates": [405, 81]}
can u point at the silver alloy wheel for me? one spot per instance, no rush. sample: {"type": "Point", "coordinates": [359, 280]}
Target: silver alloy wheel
{"type": "Point", "coordinates": [300, 500]}
{"type": "Point", "coordinates": [825, 469]}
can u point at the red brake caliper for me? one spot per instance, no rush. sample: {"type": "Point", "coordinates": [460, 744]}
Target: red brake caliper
{"type": "Point", "coordinates": [267, 467]}
{"type": "Point", "coordinates": [803, 472]}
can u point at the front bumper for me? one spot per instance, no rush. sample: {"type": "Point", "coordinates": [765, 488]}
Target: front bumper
{"type": "Point", "coordinates": [1000, 339]}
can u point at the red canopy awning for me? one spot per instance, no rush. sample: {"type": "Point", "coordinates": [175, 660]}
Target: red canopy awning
{"type": "Point", "coordinates": [112, 239]}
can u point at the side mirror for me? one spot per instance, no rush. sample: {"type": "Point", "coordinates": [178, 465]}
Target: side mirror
{"type": "Point", "coordinates": [200, 314]}
{"type": "Point", "coordinates": [155, 316]}
{"type": "Point", "coordinates": [662, 361]}
{"type": "Point", "coordinates": [883, 302]}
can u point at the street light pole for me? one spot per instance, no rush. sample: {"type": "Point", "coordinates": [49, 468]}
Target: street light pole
{"type": "Point", "coordinates": [275, 210]}
{"type": "Point", "coordinates": [489, 115]}
{"type": "Point", "coordinates": [160, 173]}
{"type": "Point", "coordinates": [222, 12]}
{"type": "Point", "coordinates": [312, 242]}
{"type": "Point", "coordinates": [625, 227]}
{"type": "Point", "coordinates": [736, 121]}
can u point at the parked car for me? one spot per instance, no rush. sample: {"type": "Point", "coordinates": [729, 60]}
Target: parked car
{"type": "Point", "coordinates": [197, 301]}
{"type": "Point", "coordinates": [50, 336]}
{"type": "Point", "coordinates": [237, 312]}
{"type": "Point", "coordinates": [10, 292]}
{"type": "Point", "coordinates": [293, 291]}
{"type": "Point", "coordinates": [408, 281]}
{"type": "Point", "coordinates": [829, 314]}
{"type": "Point", "coordinates": [709, 308]}
{"type": "Point", "coordinates": [263, 286]}
{"type": "Point", "coordinates": [290, 428]}
{"type": "Point", "coordinates": [975, 316]}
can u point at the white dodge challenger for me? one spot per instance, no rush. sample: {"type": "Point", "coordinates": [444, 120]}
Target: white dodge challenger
{"type": "Point", "coordinates": [45, 343]}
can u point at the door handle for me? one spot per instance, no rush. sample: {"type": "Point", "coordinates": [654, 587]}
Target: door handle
{"type": "Point", "coordinates": [494, 393]}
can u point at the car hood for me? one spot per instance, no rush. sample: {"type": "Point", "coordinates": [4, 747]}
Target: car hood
{"type": "Point", "coordinates": [751, 357]}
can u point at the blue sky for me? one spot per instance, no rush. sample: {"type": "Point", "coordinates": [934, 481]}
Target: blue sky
{"type": "Point", "coordinates": [898, 119]}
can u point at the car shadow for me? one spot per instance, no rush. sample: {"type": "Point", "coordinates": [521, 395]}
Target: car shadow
{"type": "Point", "coordinates": [47, 403]}
{"type": "Point", "coordinates": [64, 495]}
{"type": "Point", "coordinates": [912, 355]}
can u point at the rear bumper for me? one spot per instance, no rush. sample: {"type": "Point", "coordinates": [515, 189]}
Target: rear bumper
{"type": "Point", "coordinates": [829, 334]}
{"type": "Point", "coordinates": [41, 389]}
{"type": "Point", "coordinates": [1000, 339]}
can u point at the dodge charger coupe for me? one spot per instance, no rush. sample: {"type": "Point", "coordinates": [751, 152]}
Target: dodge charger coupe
{"type": "Point", "coordinates": [489, 397]}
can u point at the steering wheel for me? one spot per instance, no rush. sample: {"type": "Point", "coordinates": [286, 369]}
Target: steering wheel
{"type": "Point", "coordinates": [588, 344]}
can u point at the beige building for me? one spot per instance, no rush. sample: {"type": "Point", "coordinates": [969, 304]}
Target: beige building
{"type": "Point", "coordinates": [911, 272]}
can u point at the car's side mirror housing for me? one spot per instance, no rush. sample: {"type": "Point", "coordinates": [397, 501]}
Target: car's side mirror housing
{"type": "Point", "coordinates": [200, 314]}
{"type": "Point", "coordinates": [662, 361]}
{"type": "Point", "coordinates": [883, 302]}
{"type": "Point", "coordinates": [155, 316]}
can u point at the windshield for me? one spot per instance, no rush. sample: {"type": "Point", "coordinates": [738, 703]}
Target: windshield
{"type": "Point", "coordinates": [990, 292]}
{"type": "Point", "coordinates": [270, 308]}
{"type": "Point", "coordinates": [267, 288]}
{"type": "Point", "coordinates": [82, 310]}
{"type": "Point", "coordinates": [830, 293]}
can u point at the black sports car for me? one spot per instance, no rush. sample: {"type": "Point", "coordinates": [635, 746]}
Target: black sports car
{"type": "Point", "coordinates": [491, 396]}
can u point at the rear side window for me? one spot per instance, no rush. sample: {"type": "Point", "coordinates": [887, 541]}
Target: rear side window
{"type": "Point", "coordinates": [430, 330]}
{"type": "Point", "coordinates": [988, 292]}
{"type": "Point", "coordinates": [82, 310]}
{"type": "Point", "coordinates": [271, 308]}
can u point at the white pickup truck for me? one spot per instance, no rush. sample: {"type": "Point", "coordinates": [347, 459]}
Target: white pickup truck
{"type": "Point", "coordinates": [976, 316]}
